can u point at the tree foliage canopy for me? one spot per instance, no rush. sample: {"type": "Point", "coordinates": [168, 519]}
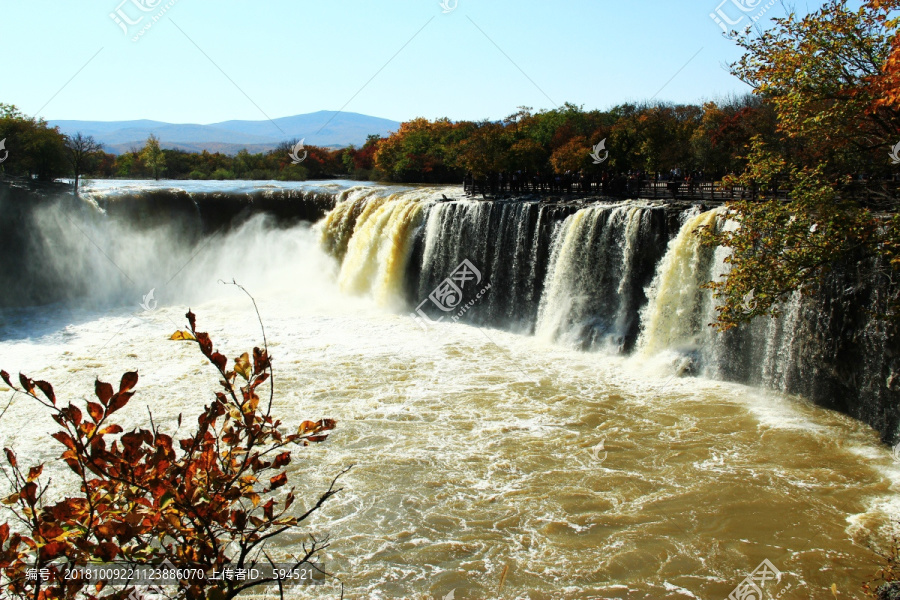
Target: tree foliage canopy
{"type": "Point", "coordinates": [830, 77]}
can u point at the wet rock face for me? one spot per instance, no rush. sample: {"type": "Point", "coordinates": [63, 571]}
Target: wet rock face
{"type": "Point", "coordinates": [851, 361]}
{"type": "Point", "coordinates": [23, 280]}
{"type": "Point", "coordinates": [210, 212]}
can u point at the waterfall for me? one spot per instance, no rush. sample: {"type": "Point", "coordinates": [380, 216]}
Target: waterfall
{"type": "Point", "coordinates": [100, 248]}
{"type": "Point", "coordinates": [778, 361]}
{"type": "Point", "coordinates": [587, 298]}
{"type": "Point", "coordinates": [378, 250]}
{"type": "Point", "coordinates": [621, 277]}
{"type": "Point", "coordinates": [675, 316]}
{"type": "Point", "coordinates": [506, 241]}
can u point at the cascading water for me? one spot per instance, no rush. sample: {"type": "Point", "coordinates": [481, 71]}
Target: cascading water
{"type": "Point", "coordinates": [779, 360]}
{"type": "Point", "coordinates": [503, 241]}
{"type": "Point", "coordinates": [103, 246]}
{"type": "Point", "coordinates": [833, 350]}
{"type": "Point", "coordinates": [379, 248]}
{"type": "Point", "coordinates": [588, 298]}
{"type": "Point", "coordinates": [675, 316]}
{"type": "Point", "coordinates": [612, 277]}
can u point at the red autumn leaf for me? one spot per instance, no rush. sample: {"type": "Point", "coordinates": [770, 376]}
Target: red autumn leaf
{"type": "Point", "coordinates": [48, 391]}
{"type": "Point", "coordinates": [118, 401]}
{"type": "Point", "coordinates": [11, 458]}
{"type": "Point", "coordinates": [29, 492]}
{"type": "Point", "coordinates": [306, 427]}
{"type": "Point", "coordinates": [111, 430]}
{"type": "Point", "coordinates": [239, 518]}
{"type": "Point", "coordinates": [35, 472]}
{"type": "Point", "coordinates": [278, 481]}
{"type": "Point", "coordinates": [105, 531]}
{"type": "Point", "coordinates": [318, 438]}
{"type": "Point", "coordinates": [5, 376]}
{"type": "Point", "coordinates": [206, 345]}
{"type": "Point", "coordinates": [4, 533]}
{"type": "Point", "coordinates": [164, 442]}
{"type": "Point", "coordinates": [95, 410]}
{"type": "Point", "coordinates": [104, 392]}
{"type": "Point", "coordinates": [269, 508]}
{"type": "Point", "coordinates": [282, 460]}
{"type": "Point", "coordinates": [106, 551]}
{"type": "Point", "coordinates": [132, 442]}
{"type": "Point", "coordinates": [73, 413]}
{"type": "Point", "coordinates": [27, 384]}
{"type": "Point", "coordinates": [53, 550]}
{"type": "Point", "coordinates": [50, 531]}
{"type": "Point", "coordinates": [192, 319]}
{"type": "Point", "coordinates": [65, 439]}
{"type": "Point", "coordinates": [219, 360]}
{"type": "Point", "coordinates": [260, 361]}
{"type": "Point", "coordinates": [129, 380]}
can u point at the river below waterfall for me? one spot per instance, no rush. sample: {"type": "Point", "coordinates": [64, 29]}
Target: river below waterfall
{"type": "Point", "coordinates": [482, 457]}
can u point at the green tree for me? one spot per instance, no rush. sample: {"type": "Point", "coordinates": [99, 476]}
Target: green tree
{"type": "Point", "coordinates": [153, 157]}
{"type": "Point", "coordinates": [35, 150]}
{"type": "Point", "coordinates": [823, 75]}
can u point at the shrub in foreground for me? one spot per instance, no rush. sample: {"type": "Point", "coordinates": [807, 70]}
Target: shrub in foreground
{"type": "Point", "coordinates": [210, 500]}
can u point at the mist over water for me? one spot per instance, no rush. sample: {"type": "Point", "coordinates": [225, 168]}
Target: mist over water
{"type": "Point", "coordinates": [588, 474]}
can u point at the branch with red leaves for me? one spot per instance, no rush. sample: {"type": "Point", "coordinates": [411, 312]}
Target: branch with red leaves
{"type": "Point", "coordinates": [211, 500]}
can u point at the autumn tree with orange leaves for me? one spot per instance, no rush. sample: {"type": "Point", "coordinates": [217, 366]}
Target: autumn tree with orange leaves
{"type": "Point", "coordinates": [831, 77]}
{"type": "Point", "coordinates": [211, 500]}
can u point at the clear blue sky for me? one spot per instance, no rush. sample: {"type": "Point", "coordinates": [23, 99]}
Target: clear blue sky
{"type": "Point", "coordinates": [289, 57]}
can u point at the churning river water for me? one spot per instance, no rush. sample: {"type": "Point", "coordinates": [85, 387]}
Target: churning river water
{"type": "Point", "coordinates": [483, 458]}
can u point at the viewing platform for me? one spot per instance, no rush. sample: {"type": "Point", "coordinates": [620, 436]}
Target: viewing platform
{"type": "Point", "coordinates": [879, 195]}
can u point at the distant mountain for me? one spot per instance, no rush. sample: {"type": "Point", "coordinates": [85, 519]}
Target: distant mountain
{"type": "Point", "coordinates": [323, 128]}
